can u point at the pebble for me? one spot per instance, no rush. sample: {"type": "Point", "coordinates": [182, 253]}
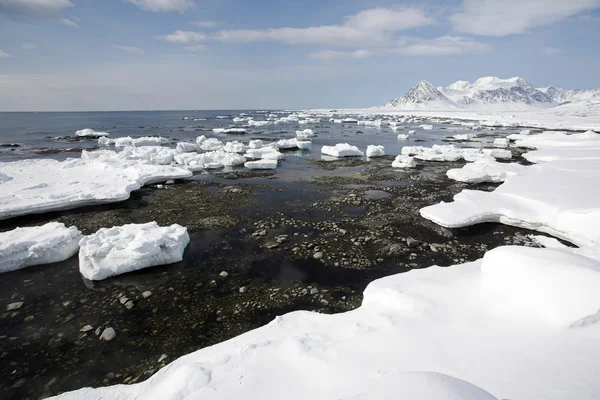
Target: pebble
{"type": "Point", "coordinates": [163, 358]}
{"type": "Point", "coordinates": [108, 334]}
{"type": "Point", "coordinates": [224, 274]}
{"type": "Point", "coordinates": [271, 245]}
{"type": "Point", "coordinates": [170, 182]}
{"type": "Point", "coordinates": [129, 305]}
{"type": "Point", "coordinates": [86, 328]}
{"type": "Point", "coordinates": [146, 294]}
{"type": "Point", "coordinates": [14, 306]}
{"type": "Point", "coordinates": [242, 289]}
{"type": "Point", "coordinates": [314, 291]}
{"type": "Point", "coordinates": [412, 242]}
{"type": "Point", "coordinates": [318, 255]}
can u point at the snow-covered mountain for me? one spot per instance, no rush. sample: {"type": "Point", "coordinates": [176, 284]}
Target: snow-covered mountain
{"type": "Point", "coordinates": [422, 95]}
{"type": "Point", "coordinates": [562, 96]}
{"type": "Point", "coordinates": [489, 93]}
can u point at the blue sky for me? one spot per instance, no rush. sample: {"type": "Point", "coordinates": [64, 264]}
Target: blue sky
{"type": "Point", "coordinates": [219, 54]}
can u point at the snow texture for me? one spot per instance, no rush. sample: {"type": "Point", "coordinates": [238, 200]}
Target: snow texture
{"type": "Point", "coordinates": [121, 249]}
{"type": "Point", "coordinates": [49, 243]}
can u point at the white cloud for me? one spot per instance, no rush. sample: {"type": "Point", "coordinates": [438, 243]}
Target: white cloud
{"type": "Point", "coordinates": [185, 37]}
{"type": "Point", "coordinates": [4, 54]}
{"type": "Point", "coordinates": [69, 22]}
{"type": "Point", "coordinates": [383, 19]}
{"type": "Point", "coordinates": [205, 24]}
{"type": "Point", "coordinates": [163, 5]}
{"type": "Point", "coordinates": [28, 46]}
{"type": "Point", "coordinates": [440, 46]}
{"type": "Point", "coordinates": [368, 27]}
{"type": "Point", "coordinates": [552, 51]}
{"type": "Point", "coordinates": [509, 17]}
{"type": "Point", "coordinates": [129, 49]}
{"type": "Point", "coordinates": [411, 47]}
{"type": "Point", "coordinates": [33, 8]}
{"type": "Point", "coordinates": [332, 55]}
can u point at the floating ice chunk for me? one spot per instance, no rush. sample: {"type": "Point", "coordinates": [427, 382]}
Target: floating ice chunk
{"type": "Point", "coordinates": [336, 121]}
{"type": "Point", "coordinates": [230, 131]}
{"type": "Point", "coordinates": [209, 160]}
{"type": "Point", "coordinates": [238, 119]}
{"type": "Point", "coordinates": [375, 151]}
{"type": "Point", "coordinates": [411, 132]}
{"type": "Point", "coordinates": [200, 139]}
{"type": "Point", "coordinates": [485, 170]}
{"type": "Point", "coordinates": [91, 133]}
{"type": "Point", "coordinates": [185, 147]}
{"type": "Point", "coordinates": [255, 144]}
{"type": "Point", "coordinates": [50, 243]}
{"type": "Point", "coordinates": [350, 121]}
{"type": "Point", "coordinates": [342, 150]}
{"type": "Point", "coordinates": [41, 185]}
{"type": "Point", "coordinates": [403, 161]}
{"type": "Point", "coordinates": [305, 134]}
{"type": "Point", "coordinates": [261, 164]}
{"type": "Point", "coordinates": [309, 121]}
{"type": "Point", "coordinates": [402, 136]}
{"type": "Point", "coordinates": [287, 144]}
{"type": "Point", "coordinates": [525, 132]}
{"type": "Point", "coordinates": [235, 147]}
{"type": "Point", "coordinates": [252, 122]}
{"type": "Point", "coordinates": [258, 153]}
{"type": "Point", "coordinates": [463, 136]}
{"type": "Point", "coordinates": [376, 123]}
{"type": "Point", "coordinates": [121, 249]}
{"type": "Point", "coordinates": [129, 141]}
{"type": "Point", "coordinates": [501, 142]}
{"type": "Point", "coordinates": [426, 127]}
{"type": "Point", "coordinates": [211, 144]}
{"type": "Point", "coordinates": [273, 155]}
{"type": "Point", "coordinates": [151, 154]}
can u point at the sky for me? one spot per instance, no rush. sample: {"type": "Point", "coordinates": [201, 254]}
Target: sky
{"type": "Point", "coordinates": [79, 55]}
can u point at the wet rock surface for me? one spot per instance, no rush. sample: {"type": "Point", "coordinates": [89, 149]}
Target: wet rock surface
{"type": "Point", "coordinates": [260, 247]}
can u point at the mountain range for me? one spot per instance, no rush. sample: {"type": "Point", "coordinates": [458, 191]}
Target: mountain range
{"type": "Point", "coordinates": [489, 93]}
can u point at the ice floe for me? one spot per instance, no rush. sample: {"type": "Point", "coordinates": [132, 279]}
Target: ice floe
{"type": "Point", "coordinates": [211, 144]}
{"type": "Point", "coordinates": [184, 147]}
{"type": "Point", "coordinates": [375, 151]}
{"type": "Point", "coordinates": [121, 249]}
{"type": "Point", "coordinates": [305, 134]}
{"type": "Point", "coordinates": [453, 153]}
{"type": "Point", "coordinates": [49, 243]}
{"type": "Point", "coordinates": [230, 131]}
{"type": "Point", "coordinates": [40, 185]}
{"type": "Point", "coordinates": [288, 144]}
{"type": "Point", "coordinates": [559, 196]}
{"type": "Point", "coordinates": [209, 160]}
{"type": "Point", "coordinates": [91, 133]}
{"type": "Point", "coordinates": [485, 170]}
{"type": "Point", "coordinates": [403, 161]}
{"type": "Point", "coordinates": [129, 141]}
{"type": "Point", "coordinates": [261, 164]}
{"type": "Point", "coordinates": [342, 150]}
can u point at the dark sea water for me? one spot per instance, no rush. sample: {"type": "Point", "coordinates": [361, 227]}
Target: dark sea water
{"type": "Point", "coordinates": [52, 135]}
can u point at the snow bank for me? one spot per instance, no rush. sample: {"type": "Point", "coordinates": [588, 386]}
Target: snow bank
{"type": "Point", "coordinates": [342, 150]}
{"type": "Point", "coordinates": [129, 141]}
{"type": "Point", "coordinates": [50, 243]}
{"type": "Point", "coordinates": [509, 325]}
{"type": "Point", "coordinates": [375, 151]}
{"type": "Point", "coordinates": [485, 170]}
{"type": "Point", "coordinates": [121, 249]}
{"type": "Point", "coordinates": [261, 164]}
{"type": "Point", "coordinates": [403, 161]}
{"type": "Point", "coordinates": [40, 185]}
{"type": "Point", "coordinates": [91, 133]}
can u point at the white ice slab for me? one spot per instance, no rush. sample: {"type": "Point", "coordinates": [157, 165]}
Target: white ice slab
{"type": "Point", "coordinates": [305, 134]}
{"type": "Point", "coordinates": [261, 164]}
{"type": "Point", "coordinates": [342, 150]}
{"type": "Point", "coordinates": [40, 185]}
{"type": "Point", "coordinates": [375, 151]}
{"type": "Point", "coordinates": [485, 170]}
{"type": "Point", "coordinates": [200, 161]}
{"type": "Point", "coordinates": [49, 243]}
{"type": "Point", "coordinates": [403, 161]}
{"type": "Point", "coordinates": [185, 147]}
{"type": "Point", "coordinates": [91, 133]}
{"type": "Point", "coordinates": [129, 141]}
{"type": "Point", "coordinates": [121, 249]}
